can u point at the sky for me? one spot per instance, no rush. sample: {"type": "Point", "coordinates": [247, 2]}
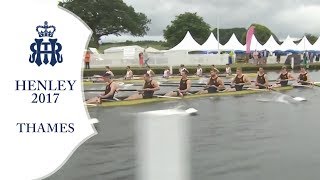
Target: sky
{"type": "Point", "coordinates": [283, 17]}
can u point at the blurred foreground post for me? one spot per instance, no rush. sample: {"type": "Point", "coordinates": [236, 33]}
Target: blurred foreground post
{"type": "Point", "coordinates": [163, 145]}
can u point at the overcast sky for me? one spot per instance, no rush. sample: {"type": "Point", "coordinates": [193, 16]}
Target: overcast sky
{"type": "Point", "coordinates": [283, 17]}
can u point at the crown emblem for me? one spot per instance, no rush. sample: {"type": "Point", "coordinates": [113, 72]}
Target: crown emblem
{"type": "Point", "coordinates": [46, 31]}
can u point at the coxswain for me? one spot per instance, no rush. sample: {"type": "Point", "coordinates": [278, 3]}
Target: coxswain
{"type": "Point", "coordinates": [184, 86]}
{"type": "Point", "coordinates": [239, 81]}
{"type": "Point", "coordinates": [150, 72]}
{"type": "Point", "coordinates": [148, 89]}
{"type": "Point", "coordinates": [304, 78]}
{"type": "Point", "coordinates": [129, 74]}
{"type": "Point", "coordinates": [109, 92]}
{"type": "Point", "coordinates": [261, 80]}
{"type": "Point", "coordinates": [283, 78]}
{"type": "Point", "coordinates": [214, 84]}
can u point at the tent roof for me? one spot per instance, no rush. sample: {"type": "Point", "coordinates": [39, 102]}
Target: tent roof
{"type": "Point", "coordinates": [187, 44]}
{"type": "Point", "coordinates": [233, 44]}
{"type": "Point", "coordinates": [271, 44]}
{"type": "Point", "coordinates": [121, 48]}
{"type": "Point", "coordinates": [152, 50]}
{"type": "Point", "coordinates": [288, 44]}
{"type": "Point", "coordinates": [211, 43]}
{"type": "Point", "coordinates": [305, 45]}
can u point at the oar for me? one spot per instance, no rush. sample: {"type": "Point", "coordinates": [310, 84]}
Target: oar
{"type": "Point", "coordinates": [101, 90]}
{"type": "Point", "coordinates": [295, 98]}
{"type": "Point", "coordinates": [169, 97]}
{"type": "Point", "coordinates": [311, 83]}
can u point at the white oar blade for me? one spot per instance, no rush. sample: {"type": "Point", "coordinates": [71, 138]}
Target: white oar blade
{"type": "Point", "coordinates": [191, 111]}
{"type": "Point", "coordinates": [299, 99]}
{"type": "Point", "coordinates": [94, 121]}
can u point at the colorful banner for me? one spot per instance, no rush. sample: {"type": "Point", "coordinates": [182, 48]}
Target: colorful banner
{"type": "Point", "coordinates": [249, 38]}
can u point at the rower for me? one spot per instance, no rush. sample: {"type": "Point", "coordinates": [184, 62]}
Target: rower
{"type": "Point", "coordinates": [166, 73]}
{"type": "Point", "coordinates": [184, 87]}
{"type": "Point", "coordinates": [150, 72]}
{"type": "Point", "coordinates": [262, 80]}
{"type": "Point", "coordinates": [284, 78]}
{"type": "Point", "coordinates": [109, 92]}
{"type": "Point", "coordinates": [304, 78]}
{"type": "Point", "coordinates": [199, 71]}
{"type": "Point", "coordinates": [239, 81]}
{"type": "Point", "coordinates": [228, 70]}
{"type": "Point", "coordinates": [129, 74]}
{"type": "Point", "coordinates": [149, 87]}
{"type": "Point", "coordinates": [108, 70]}
{"type": "Point", "coordinates": [214, 84]}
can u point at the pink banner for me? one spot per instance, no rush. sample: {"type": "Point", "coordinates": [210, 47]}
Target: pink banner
{"type": "Point", "coordinates": [249, 38]}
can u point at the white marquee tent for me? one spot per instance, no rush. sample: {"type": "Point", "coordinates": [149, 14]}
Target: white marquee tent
{"type": "Point", "coordinates": [288, 44]}
{"type": "Point", "coordinates": [305, 45]}
{"type": "Point", "coordinates": [152, 50]}
{"type": "Point", "coordinates": [135, 48]}
{"type": "Point", "coordinates": [187, 44]}
{"type": "Point", "coordinates": [211, 44]}
{"type": "Point", "coordinates": [271, 44]}
{"type": "Point", "coordinates": [233, 44]}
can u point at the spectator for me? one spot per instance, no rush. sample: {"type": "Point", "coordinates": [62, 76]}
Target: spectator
{"type": "Point", "coordinates": [278, 57]}
{"type": "Point", "coordinates": [141, 62]}
{"type": "Point", "coordinates": [145, 58]}
{"type": "Point", "coordinates": [87, 59]}
{"type": "Point", "coordinates": [255, 57]}
{"type": "Point", "coordinates": [230, 58]}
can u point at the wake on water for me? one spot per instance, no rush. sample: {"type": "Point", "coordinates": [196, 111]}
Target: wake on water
{"type": "Point", "coordinates": [282, 98]}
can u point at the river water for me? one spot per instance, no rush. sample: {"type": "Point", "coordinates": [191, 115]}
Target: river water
{"type": "Point", "coordinates": [231, 138]}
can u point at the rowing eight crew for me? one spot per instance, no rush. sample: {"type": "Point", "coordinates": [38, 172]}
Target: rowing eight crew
{"type": "Point", "coordinates": [214, 84]}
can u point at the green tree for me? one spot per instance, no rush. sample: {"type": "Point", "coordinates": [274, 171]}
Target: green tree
{"type": "Point", "coordinates": [107, 17]}
{"type": "Point", "coordinates": [262, 34]}
{"type": "Point", "coordinates": [183, 23]}
{"type": "Point", "coordinates": [312, 38]}
{"type": "Point", "coordinates": [225, 34]}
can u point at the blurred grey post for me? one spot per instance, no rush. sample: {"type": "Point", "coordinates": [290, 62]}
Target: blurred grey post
{"type": "Point", "coordinates": [163, 145]}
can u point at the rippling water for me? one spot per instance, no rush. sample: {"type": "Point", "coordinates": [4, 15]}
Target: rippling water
{"type": "Point", "coordinates": [232, 138]}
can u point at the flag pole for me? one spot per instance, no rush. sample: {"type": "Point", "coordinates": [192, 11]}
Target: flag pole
{"type": "Point", "coordinates": [218, 36]}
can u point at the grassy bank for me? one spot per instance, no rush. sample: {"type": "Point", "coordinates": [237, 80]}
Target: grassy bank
{"type": "Point", "coordinates": [121, 71]}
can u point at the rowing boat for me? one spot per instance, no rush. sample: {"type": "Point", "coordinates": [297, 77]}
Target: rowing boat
{"type": "Point", "coordinates": [154, 100]}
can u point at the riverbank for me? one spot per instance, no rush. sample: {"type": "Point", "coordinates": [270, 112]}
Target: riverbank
{"type": "Point", "coordinates": [121, 71]}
